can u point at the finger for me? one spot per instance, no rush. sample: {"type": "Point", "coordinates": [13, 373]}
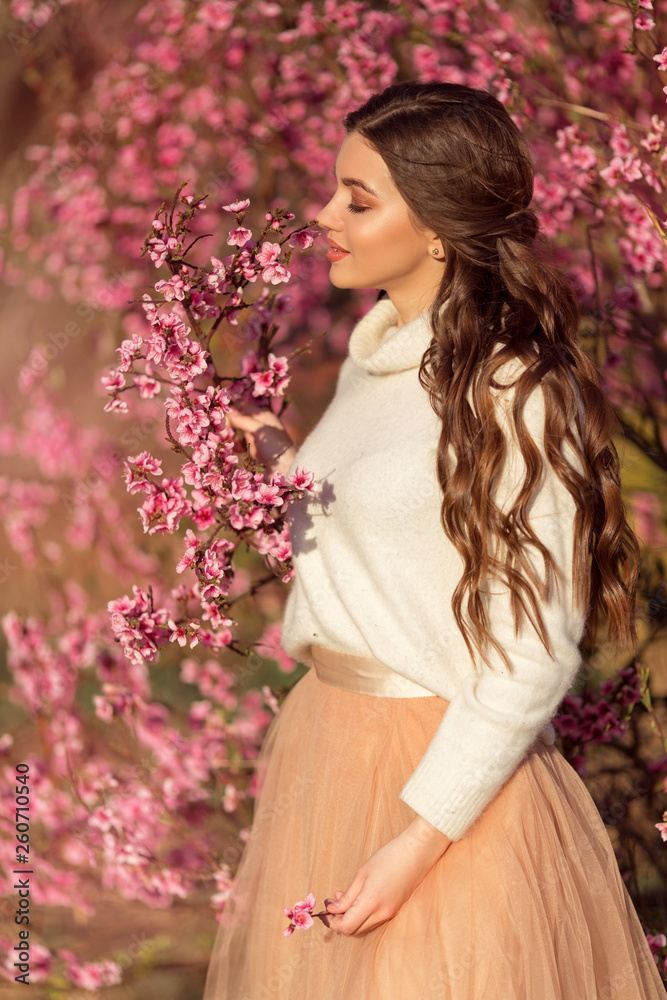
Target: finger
{"type": "Point", "coordinates": [354, 917]}
{"type": "Point", "coordinates": [264, 418]}
{"type": "Point", "coordinates": [247, 407]}
{"type": "Point", "coordinates": [343, 899]}
{"type": "Point", "coordinates": [243, 422]}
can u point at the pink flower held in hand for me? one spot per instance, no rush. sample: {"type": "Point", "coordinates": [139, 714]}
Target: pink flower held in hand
{"type": "Point", "coordinates": [301, 916]}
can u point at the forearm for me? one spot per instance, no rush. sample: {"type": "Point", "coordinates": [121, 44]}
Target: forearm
{"type": "Point", "coordinates": [425, 840]}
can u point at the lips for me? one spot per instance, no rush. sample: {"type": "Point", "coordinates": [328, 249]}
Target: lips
{"type": "Point", "coordinates": [336, 245]}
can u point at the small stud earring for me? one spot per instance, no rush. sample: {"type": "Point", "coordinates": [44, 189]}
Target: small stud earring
{"type": "Point", "coordinates": [435, 251]}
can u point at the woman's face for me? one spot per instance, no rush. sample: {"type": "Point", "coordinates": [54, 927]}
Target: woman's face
{"type": "Point", "coordinates": [369, 219]}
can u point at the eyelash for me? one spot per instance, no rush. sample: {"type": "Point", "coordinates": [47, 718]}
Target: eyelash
{"type": "Point", "coordinates": [357, 208]}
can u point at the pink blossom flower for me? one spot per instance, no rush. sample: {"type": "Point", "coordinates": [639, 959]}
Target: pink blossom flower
{"type": "Point", "coordinates": [273, 381]}
{"type": "Point", "coordinates": [135, 483]}
{"type": "Point", "coordinates": [156, 345]}
{"type": "Point", "coordinates": [180, 634]}
{"type": "Point", "coordinates": [41, 961]}
{"type": "Point", "coordinates": [303, 479]}
{"type": "Point", "coordinates": [656, 941]}
{"type": "Point", "coordinates": [269, 495]}
{"type": "Point", "coordinates": [239, 518]}
{"type": "Point", "coordinates": [275, 273]}
{"type": "Point", "coordinates": [145, 462]}
{"type": "Point", "coordinates": [174, 288]}
{"type": "Point", "coordinates": [237, 206]}
{"type": "Point", "coordinates": [93, 975]}
{"type": "Point", "coordinates": [231, 797]}
{"type": "Point", "coordinates": [644, 21]}
{"type": "Point", "coordinates": [129, 350]}
{"type": "Point", "coordinates": [246, 266]}
{"type": "Point", "coordinates": [216, 563]}
{"type": "Point", "coordinates": [270, 646]}
{"type": "Point", "coordinates": [300, 916]}
{"type": "Point", "coordinates": [662, 827]}
{"type": "Point", "coordinates": [269, 253]}
{"type": "Point", "coordinates": [185, 359]}
{"type": "Point", "coordinates": [113, 381]}
{"type": "Point", "coordinates": [203, 305]}
{"type": "Point", "coordinates": [303, 239]}
{"type": "Point", "coordinates": [192, 423]}
{"type": "Point", "coordinates": [159, 250]}
{"type": "Point", "coordinates": [239, 236]}
{"type": "Point", "coordinates": [218, 276]}
{"type": "Point", "coordinates": [164, 508]}
{"type": "Point", "coordinates": [103, 708]}
{"type": "Point", "coordinates": [191, 548]}
{"type": "Point", "coordinates": [263, 382]}
{"type": "Point", "coordinates": [661, 60]}
{"type": "Point", "coordinates": [621, 170]}
{"type": "Point", "coordinates": [148, 387]}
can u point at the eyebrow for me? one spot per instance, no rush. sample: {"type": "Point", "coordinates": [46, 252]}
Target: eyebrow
{"type": "Point", "coordinates": [354, 182]}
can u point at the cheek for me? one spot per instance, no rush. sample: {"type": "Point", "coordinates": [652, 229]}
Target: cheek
{"type": "Point", "coordinates": [373, 231]}
{"type": "Point", "coordinates": [387, 230]}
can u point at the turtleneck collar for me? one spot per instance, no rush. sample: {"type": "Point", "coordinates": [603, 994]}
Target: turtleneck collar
{"type": "Point", "coordinates": [380, 346]}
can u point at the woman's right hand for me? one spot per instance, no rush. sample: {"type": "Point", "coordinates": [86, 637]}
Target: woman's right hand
{"type": "Point", "coordinates": [266, 437]}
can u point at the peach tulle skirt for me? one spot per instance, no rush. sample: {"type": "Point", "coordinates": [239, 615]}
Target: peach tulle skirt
{"type": "Point", "coordinates": [528, 905]}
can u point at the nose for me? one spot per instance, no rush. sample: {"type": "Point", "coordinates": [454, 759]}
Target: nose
{"type": "Point", "coordinates": [327, 218]}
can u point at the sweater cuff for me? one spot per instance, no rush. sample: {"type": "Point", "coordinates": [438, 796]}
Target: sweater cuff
{"type": "Point", "coordinates": [484, 752]}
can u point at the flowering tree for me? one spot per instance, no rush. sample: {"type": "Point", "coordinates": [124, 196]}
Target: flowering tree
{"type": "Point", "coordinates": [225, 493]}
{"type": "Point", "coordinates": [246, 101]}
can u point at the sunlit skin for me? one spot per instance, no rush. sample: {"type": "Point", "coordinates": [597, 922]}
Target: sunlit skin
{"type": "Point", "coordinates": [385, 249]}
{"type": "Point", "coordinates": [367, 217]}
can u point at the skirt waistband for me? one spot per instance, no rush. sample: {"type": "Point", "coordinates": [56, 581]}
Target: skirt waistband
{"type": "Point", "coordinates": [363, 675]}
{"type": "Point", "coordinates": [366, 675]}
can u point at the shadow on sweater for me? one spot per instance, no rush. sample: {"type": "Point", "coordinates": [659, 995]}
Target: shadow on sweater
{"type": "Point", "coordinates": [302, 512]}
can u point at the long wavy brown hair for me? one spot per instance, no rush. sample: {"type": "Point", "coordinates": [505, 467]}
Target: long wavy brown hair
{"type": "Point", "coordinates": [465, 170]}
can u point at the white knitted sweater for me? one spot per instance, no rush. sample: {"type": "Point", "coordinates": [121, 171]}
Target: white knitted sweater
{"type": "Point", "coordinates": [375, 572]}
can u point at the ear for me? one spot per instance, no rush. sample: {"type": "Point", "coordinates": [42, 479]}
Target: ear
{"type": "Point", "coordinates": [433, 242]}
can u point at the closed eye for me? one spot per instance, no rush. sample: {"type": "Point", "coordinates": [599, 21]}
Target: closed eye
{"type": "Point", "coordinates": [357, 208]}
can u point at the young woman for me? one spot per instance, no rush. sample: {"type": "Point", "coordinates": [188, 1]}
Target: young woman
{"type": "Point", "coordinates": [467, 532]}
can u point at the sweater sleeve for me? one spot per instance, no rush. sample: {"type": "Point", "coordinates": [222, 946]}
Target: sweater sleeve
{"type": "Point", "coordinates": [496, 716]}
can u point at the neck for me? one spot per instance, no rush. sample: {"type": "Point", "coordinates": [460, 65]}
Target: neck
{"type": "Point", "coordinates": [409, 306]}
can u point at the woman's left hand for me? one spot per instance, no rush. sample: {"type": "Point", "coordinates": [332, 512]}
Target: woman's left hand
{"type": "Point", "coordinates": [386, 879]}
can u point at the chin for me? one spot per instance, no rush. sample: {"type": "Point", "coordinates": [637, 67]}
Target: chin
{"type": "Point", "coordinates": [344, 282]}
